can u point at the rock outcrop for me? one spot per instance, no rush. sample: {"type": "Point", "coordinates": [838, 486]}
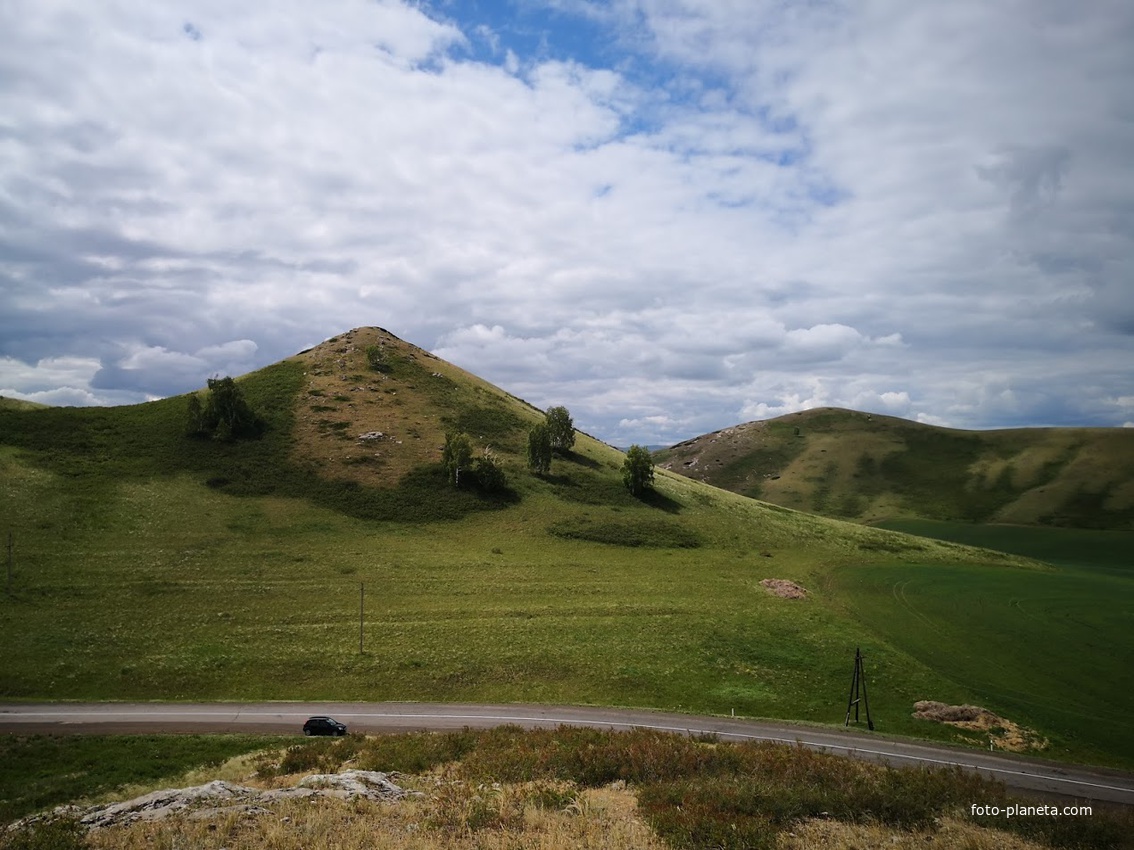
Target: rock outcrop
{"type": "Point", "coordinates": [220, 797]}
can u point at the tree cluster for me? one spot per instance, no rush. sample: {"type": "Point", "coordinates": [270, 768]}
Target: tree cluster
{"type": "Point", "coordinates": [224, 415]}
{"type": "Point", "coordinates": [376, 358]}
{"type": "Point", "coordinates": [638, 470]}
{"type": "Point", "coordinates": [560, 428]}
{"type": "Point", "coordinates": [539, 449]}
{"type": "Point", "coordinates": [462, 469]}
{"type": "Point", "coordinates": [555, 434]}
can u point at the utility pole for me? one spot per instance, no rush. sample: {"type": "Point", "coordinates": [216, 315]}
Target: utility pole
{"type": "Point", "coordinates": [361, 609]}
{"type": "Point", "coordinates": [857, 681]}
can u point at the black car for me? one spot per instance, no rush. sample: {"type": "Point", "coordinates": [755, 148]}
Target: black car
{"type": "Point", "coordinates": [323, 726]}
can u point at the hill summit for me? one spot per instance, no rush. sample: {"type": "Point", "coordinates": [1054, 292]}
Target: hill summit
{"type": "Point", "coordinates": [869, 467]}
{"type": "Point", "coordinates": [372, 407]}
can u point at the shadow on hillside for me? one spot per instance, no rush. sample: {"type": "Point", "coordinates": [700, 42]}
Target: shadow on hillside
{"type": "Point", "coordinates": [579, 460]}
{"type": "Point", "coordinates": [660, 501]}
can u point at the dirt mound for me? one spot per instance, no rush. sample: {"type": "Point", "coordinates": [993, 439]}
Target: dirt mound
{"type": "Point", "coordinates": [1002, 733]}
{"type": "Point", "coordinates": [784, 588]}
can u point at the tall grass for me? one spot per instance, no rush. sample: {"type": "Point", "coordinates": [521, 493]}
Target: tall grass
{"type": "Point", "coordinates": [507, 787]}
{"type": "Point", "coordinates": [704, 795]}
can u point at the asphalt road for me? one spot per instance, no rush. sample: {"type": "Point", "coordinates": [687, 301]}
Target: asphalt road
{"type": "Point", "coordinates": [1031, 776]}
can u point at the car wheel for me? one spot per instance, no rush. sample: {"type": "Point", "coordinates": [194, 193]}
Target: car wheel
{"type": "Point", "coordinates": [307, 732]}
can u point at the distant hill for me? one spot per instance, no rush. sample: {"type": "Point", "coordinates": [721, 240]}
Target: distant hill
{"type": "Point", "coordinates": [18, 404]}
{"type": "Point", "coordinates": [868, 467]}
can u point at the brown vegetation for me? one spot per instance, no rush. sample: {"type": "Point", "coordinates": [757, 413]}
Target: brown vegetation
{"type": "Point", "coordinates": [784, 588]}
{"type": "Point", "coordinates": [1003, 733]}
{"type": "Point", "coordinates": [373, 425]}
{"type": "Point", "coordinates": [453, 815]}
{"type": "Point", "coordinates": [567, 788]}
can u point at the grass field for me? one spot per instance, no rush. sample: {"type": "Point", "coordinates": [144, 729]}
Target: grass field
{"type": "Point", "coordinates": [196, 594]}
{"type": "Point", "coordinates": [1052, 649]}
{"type": "Point", "coordinates": [149, 565]}
{"type": "Point", "coordinates": [1089, 549]}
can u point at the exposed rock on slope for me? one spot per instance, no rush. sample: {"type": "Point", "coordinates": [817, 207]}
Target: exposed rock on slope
{"type": "Point", "coordinates": [220, 797]}
{"type": "Point", "coordinates": [374, 407]}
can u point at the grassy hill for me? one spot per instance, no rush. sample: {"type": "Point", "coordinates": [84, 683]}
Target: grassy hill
{"type": "Point", "coordinates": [152, 565]}
{"type": "Point", "coordinates": [18, 404]}
{"type": "Point", "coordinates": [867, 467]}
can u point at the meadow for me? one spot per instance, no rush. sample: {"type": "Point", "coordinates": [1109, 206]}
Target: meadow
{"type": "Point", "coordinates": [149, 565]}
{"type": "Point", "coordinates": [193, 594]}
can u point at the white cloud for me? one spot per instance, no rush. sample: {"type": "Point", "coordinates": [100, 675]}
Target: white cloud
{"type": "Point", "coordinates": [744, 209]}
{"type": "Point", "coordinates": [63, 381]}
{"type": "Point", "coordinates": [23, 377]}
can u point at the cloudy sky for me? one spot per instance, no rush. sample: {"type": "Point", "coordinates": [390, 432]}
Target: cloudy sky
{"type": "Point", "coordinates": [669, 215]}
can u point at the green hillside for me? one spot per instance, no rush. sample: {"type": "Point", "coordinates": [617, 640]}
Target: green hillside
{"type": "Point", "coordinates": [153, 565]}
{"type": "Point", "coordinates": [18, 404]}
{"type": "Point", "coordinates": [868, 467]}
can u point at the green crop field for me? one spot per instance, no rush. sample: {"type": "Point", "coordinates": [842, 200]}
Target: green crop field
{"type": "Point", "coordinates": [1093, 550]}
{"type": "Point", "coordinates": [151, 565]}
{"type": "Point", "coordinates": [1054, 649]}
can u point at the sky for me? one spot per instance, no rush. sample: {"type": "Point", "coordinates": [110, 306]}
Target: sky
{"type": "Point", "coordinates": [670, 216]}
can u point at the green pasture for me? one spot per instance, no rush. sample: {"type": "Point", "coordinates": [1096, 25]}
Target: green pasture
{"type": "Point", "coordinates": [183, 593]}
{"type": "Point", "coordinates": [1054, 649]}
{"type": "Point", "coordinates": [179, 592]}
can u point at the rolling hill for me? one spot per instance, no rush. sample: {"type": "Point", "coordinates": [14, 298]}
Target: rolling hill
{"type": "Point", "coordinates": [330, 558]}
{"type": "Point", "coordinates": [867, 467]}
{"type": "Point", "coordinates": [18, 404]}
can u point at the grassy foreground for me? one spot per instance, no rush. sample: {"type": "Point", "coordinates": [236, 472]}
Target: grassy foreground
{"type": "Point", "coordinates": [509, 788]}
{"type": "Point", "coordinates": [149, 565]}
{"type": "Point", "coordinates": [41, 771]}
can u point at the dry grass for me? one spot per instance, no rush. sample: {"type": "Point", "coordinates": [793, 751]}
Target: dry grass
{"type": "Point", "coordinates": [454, 815]}
{"type": "Point", "coordinates": [784, 588]}
{"type": "Point", "coordinates": [559, 790]}
{"type": "Point", "coordinates": [341, 388]}
{"type": "Point", "coordinates": [951, 834]}
{"type": "Point", "coordinates": [343, 398]}
{"type": "Point", "coordinates": [1005, 734]}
